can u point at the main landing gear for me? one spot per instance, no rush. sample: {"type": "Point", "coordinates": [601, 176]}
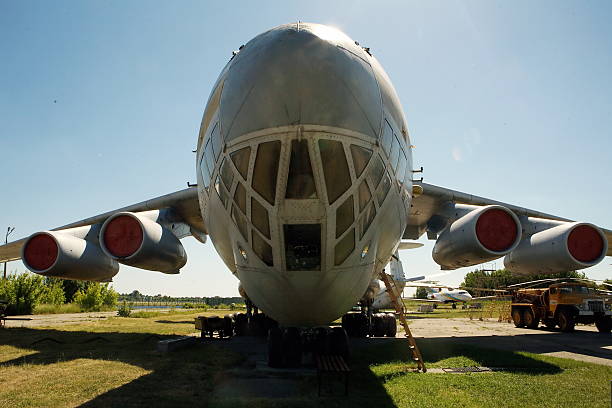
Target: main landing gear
{"type": "Point", "coordinates": [376, 325]}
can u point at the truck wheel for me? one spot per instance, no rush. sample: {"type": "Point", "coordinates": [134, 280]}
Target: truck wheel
{"type": "Point", "coordinates": [531, 322]}
{"type": "Point", "coordinates": [604, 325]}
{"type": "Point", "coordinates": [566, 321]}
{"type": "Point", "coordinates": [517, 318]}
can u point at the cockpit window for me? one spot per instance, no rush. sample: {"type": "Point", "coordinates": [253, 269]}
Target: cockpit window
{"type": "Point", "coordinates": [259, 217]}
{"type": "Point", "coordinates": [266, 169]}
{"type": "Point", "coordinates": [383, 189]}
{"type": "Point", "coordinates": [394, 153]}
{"type": "Point", "coordinates": [303, 247]}
{"type": "Point", "coordinates": [241, 160]}
{"type": "Point", "coordinates": [240, 197]}
{"type": "Point", "coordinates": [366, 219]}
{"type": "Point", "coordinates": [344, 216]}
{"type": "Point", "coordinates": [364, 195]}
{"type": "Point", "coordinates": [387, 137]}
{"type": "Point", "coordinates": [205, 173]}
{"type": "Point", "coordinates": [335, 168]}
{"type": "Point", "coordinates": [240, 221]}
{"type": "Point", "coordinates": [227, 174]}
{"type": "Point", "coordinates": [262, 249]}
{"type": "Point", "coordinates": [344, 248]}
{"type": "Point", "coordinates": [215, 136]}
{"type": "Point", "coordinates": [361, 156]}
{"type": "Point", "coordinates": [300, 182]}
{"type": "Point", "coordinates": [375, 172]}
{"type": "Point", "coordinates": [401, 170]}
{"type": "Point", "coordinates": [221, 191]}
{"type": "Point", "coordinates": [210, 160]}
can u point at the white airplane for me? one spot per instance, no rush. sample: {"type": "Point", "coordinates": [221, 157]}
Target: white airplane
{"type": "Point", "coordinates": [305, 188]}
{"type": "Point", "coordinates": [447, 295]}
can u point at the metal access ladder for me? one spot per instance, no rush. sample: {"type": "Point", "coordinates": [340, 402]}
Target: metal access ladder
{"type": "Point", "coordinates": [399, 308]}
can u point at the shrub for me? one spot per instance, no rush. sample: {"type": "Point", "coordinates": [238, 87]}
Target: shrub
{"type": "Point", "coordinates": [52, 293]}
{"type": "Point", "coordinates": [22, 292]}
{"type": "Point", "coordinates": [96, 296]}
{"type": "Point", "coordinates": [124, 310]}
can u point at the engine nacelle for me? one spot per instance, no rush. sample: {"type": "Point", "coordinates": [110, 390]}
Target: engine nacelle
{"type": "Point", "coordinates": [479, 236]}
{"type": "Point", "coordinates": [60, 255]}
{"type": "Point", "coordinates": [566, 247]}
{"type": "Point", "coordinates": [138, 241]}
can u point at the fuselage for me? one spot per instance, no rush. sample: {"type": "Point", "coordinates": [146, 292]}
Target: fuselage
{"type": "Point", "coordinates": [304, 171]}
{"type": "Point", "coordinates": [448, 296]}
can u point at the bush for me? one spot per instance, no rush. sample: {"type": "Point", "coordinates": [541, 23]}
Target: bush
{"type": "Point", "coordinates": [52, 293]}
{"type": "Point", "coordinates": [96, 297]}
{"type": "Point", "coordinates": [22, 292]}
{"type": "Point", "coordinates": [124, 310]}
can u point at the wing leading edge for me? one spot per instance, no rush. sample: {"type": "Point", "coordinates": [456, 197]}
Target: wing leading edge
{"type": "Point", "coordinates": [183, 204]}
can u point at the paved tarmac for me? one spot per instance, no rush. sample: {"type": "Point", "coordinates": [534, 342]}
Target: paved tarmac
{"type": "Point", "coordinates": [584, 344]}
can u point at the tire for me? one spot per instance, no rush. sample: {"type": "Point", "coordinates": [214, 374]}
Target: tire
{"type": "Point", "coordinates": [566, 321]}
{"type": "Point", "coordinates": [292, 347]}
{"type": "Point", "coordinates": [391, 325]}
{"type": "Point", "coordinates": [454, 306]}
{"type": "Point", "coordinates": [379, 325]}
{"type": "Point", "coordinates": [604, 325]}
{"type": "Point", "coordinates": [517, 318]}
{"type": "Point", "coordinates": [338, 343]}
{"type": "Point", "coordinates": [275, 348]}
{"type": "Point", "coordinates": [228, 326]}
{"type": "Point", "coordinates": [531, 322]}
{"type": "Point", "coordinates": [549, 323]}
{"type": "Point", "coordinates": [241, 324]}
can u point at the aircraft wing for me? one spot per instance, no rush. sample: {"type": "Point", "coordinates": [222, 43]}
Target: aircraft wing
{"type": "Point", "coordinates": [433, 199]}
{"type": "Point", "coordinates": [184, 205]}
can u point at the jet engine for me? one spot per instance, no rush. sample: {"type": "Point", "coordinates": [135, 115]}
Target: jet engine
{"type": "Point", "coordinates": [566, 247]}
{"type": "Point", "coordinates": [135, 240]}
{"type": "Point", "coordinates": [481, 235]}
{"type": "Point", "coordinates": [61, 255]}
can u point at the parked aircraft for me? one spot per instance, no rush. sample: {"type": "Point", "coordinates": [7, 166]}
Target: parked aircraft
{"type": "Point", "coordinates": [305, 188]}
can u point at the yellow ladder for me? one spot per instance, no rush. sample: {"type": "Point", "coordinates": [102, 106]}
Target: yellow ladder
{"type": "Point", "coordinates": [399, 308]}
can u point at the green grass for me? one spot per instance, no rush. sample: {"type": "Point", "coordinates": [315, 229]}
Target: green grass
{"type": "Point", "coordinates": [113, 362]}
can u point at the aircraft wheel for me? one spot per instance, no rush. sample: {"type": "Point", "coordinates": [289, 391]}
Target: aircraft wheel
{"type": "Point", "coordinates": [517, 318]}
{"type": "Point", "coordinates": [549, 323]}
{"type": "Point", "coordinates": [241, 324]}
{"type": "Point", "coordinates": [338, 343]}
{"type": "Point", "coordinates": [454, 306]}
{"type": "Point", "coordinates": [531, 322]}
{"type": "Point", "coordinates": [566, 321]}
{"type": "Point", "coordinates": [275, 348]}
{"type": "Point", "coordinates": [228, 326]}
{"type": "Point", "coordinates": [391, 325]}
{"type": "Point", "coordinates": [379, 324]}
{"type": "Point", "coordinates": [604, 325]}
{"type": "Point", "coordinates": [292, 347]}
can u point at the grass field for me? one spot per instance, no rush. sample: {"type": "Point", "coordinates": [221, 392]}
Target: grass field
{"type": "Point", "coordinates": [113, 362]}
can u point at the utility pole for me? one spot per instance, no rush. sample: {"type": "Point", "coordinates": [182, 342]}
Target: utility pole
{"type": "Point", "coordinates": [9, 230]}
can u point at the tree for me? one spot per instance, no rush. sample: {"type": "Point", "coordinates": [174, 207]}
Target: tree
{"type": "Point", "coordinates": [96, 296]}
{"type": "Point", "coordinates": [421, 293]}
{"type": "Point", "coordinates": [502, 278]}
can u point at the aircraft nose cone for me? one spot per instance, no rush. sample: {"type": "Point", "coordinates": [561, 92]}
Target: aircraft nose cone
{"type": "Point", "coordinates": [300, 74]}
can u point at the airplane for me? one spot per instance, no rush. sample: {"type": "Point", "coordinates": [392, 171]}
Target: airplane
{"type": "Point", "coordinates": [305, 187]}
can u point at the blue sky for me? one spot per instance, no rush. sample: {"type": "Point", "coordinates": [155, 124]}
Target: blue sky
{"type": "Point", "coordinates": [101, 101]}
